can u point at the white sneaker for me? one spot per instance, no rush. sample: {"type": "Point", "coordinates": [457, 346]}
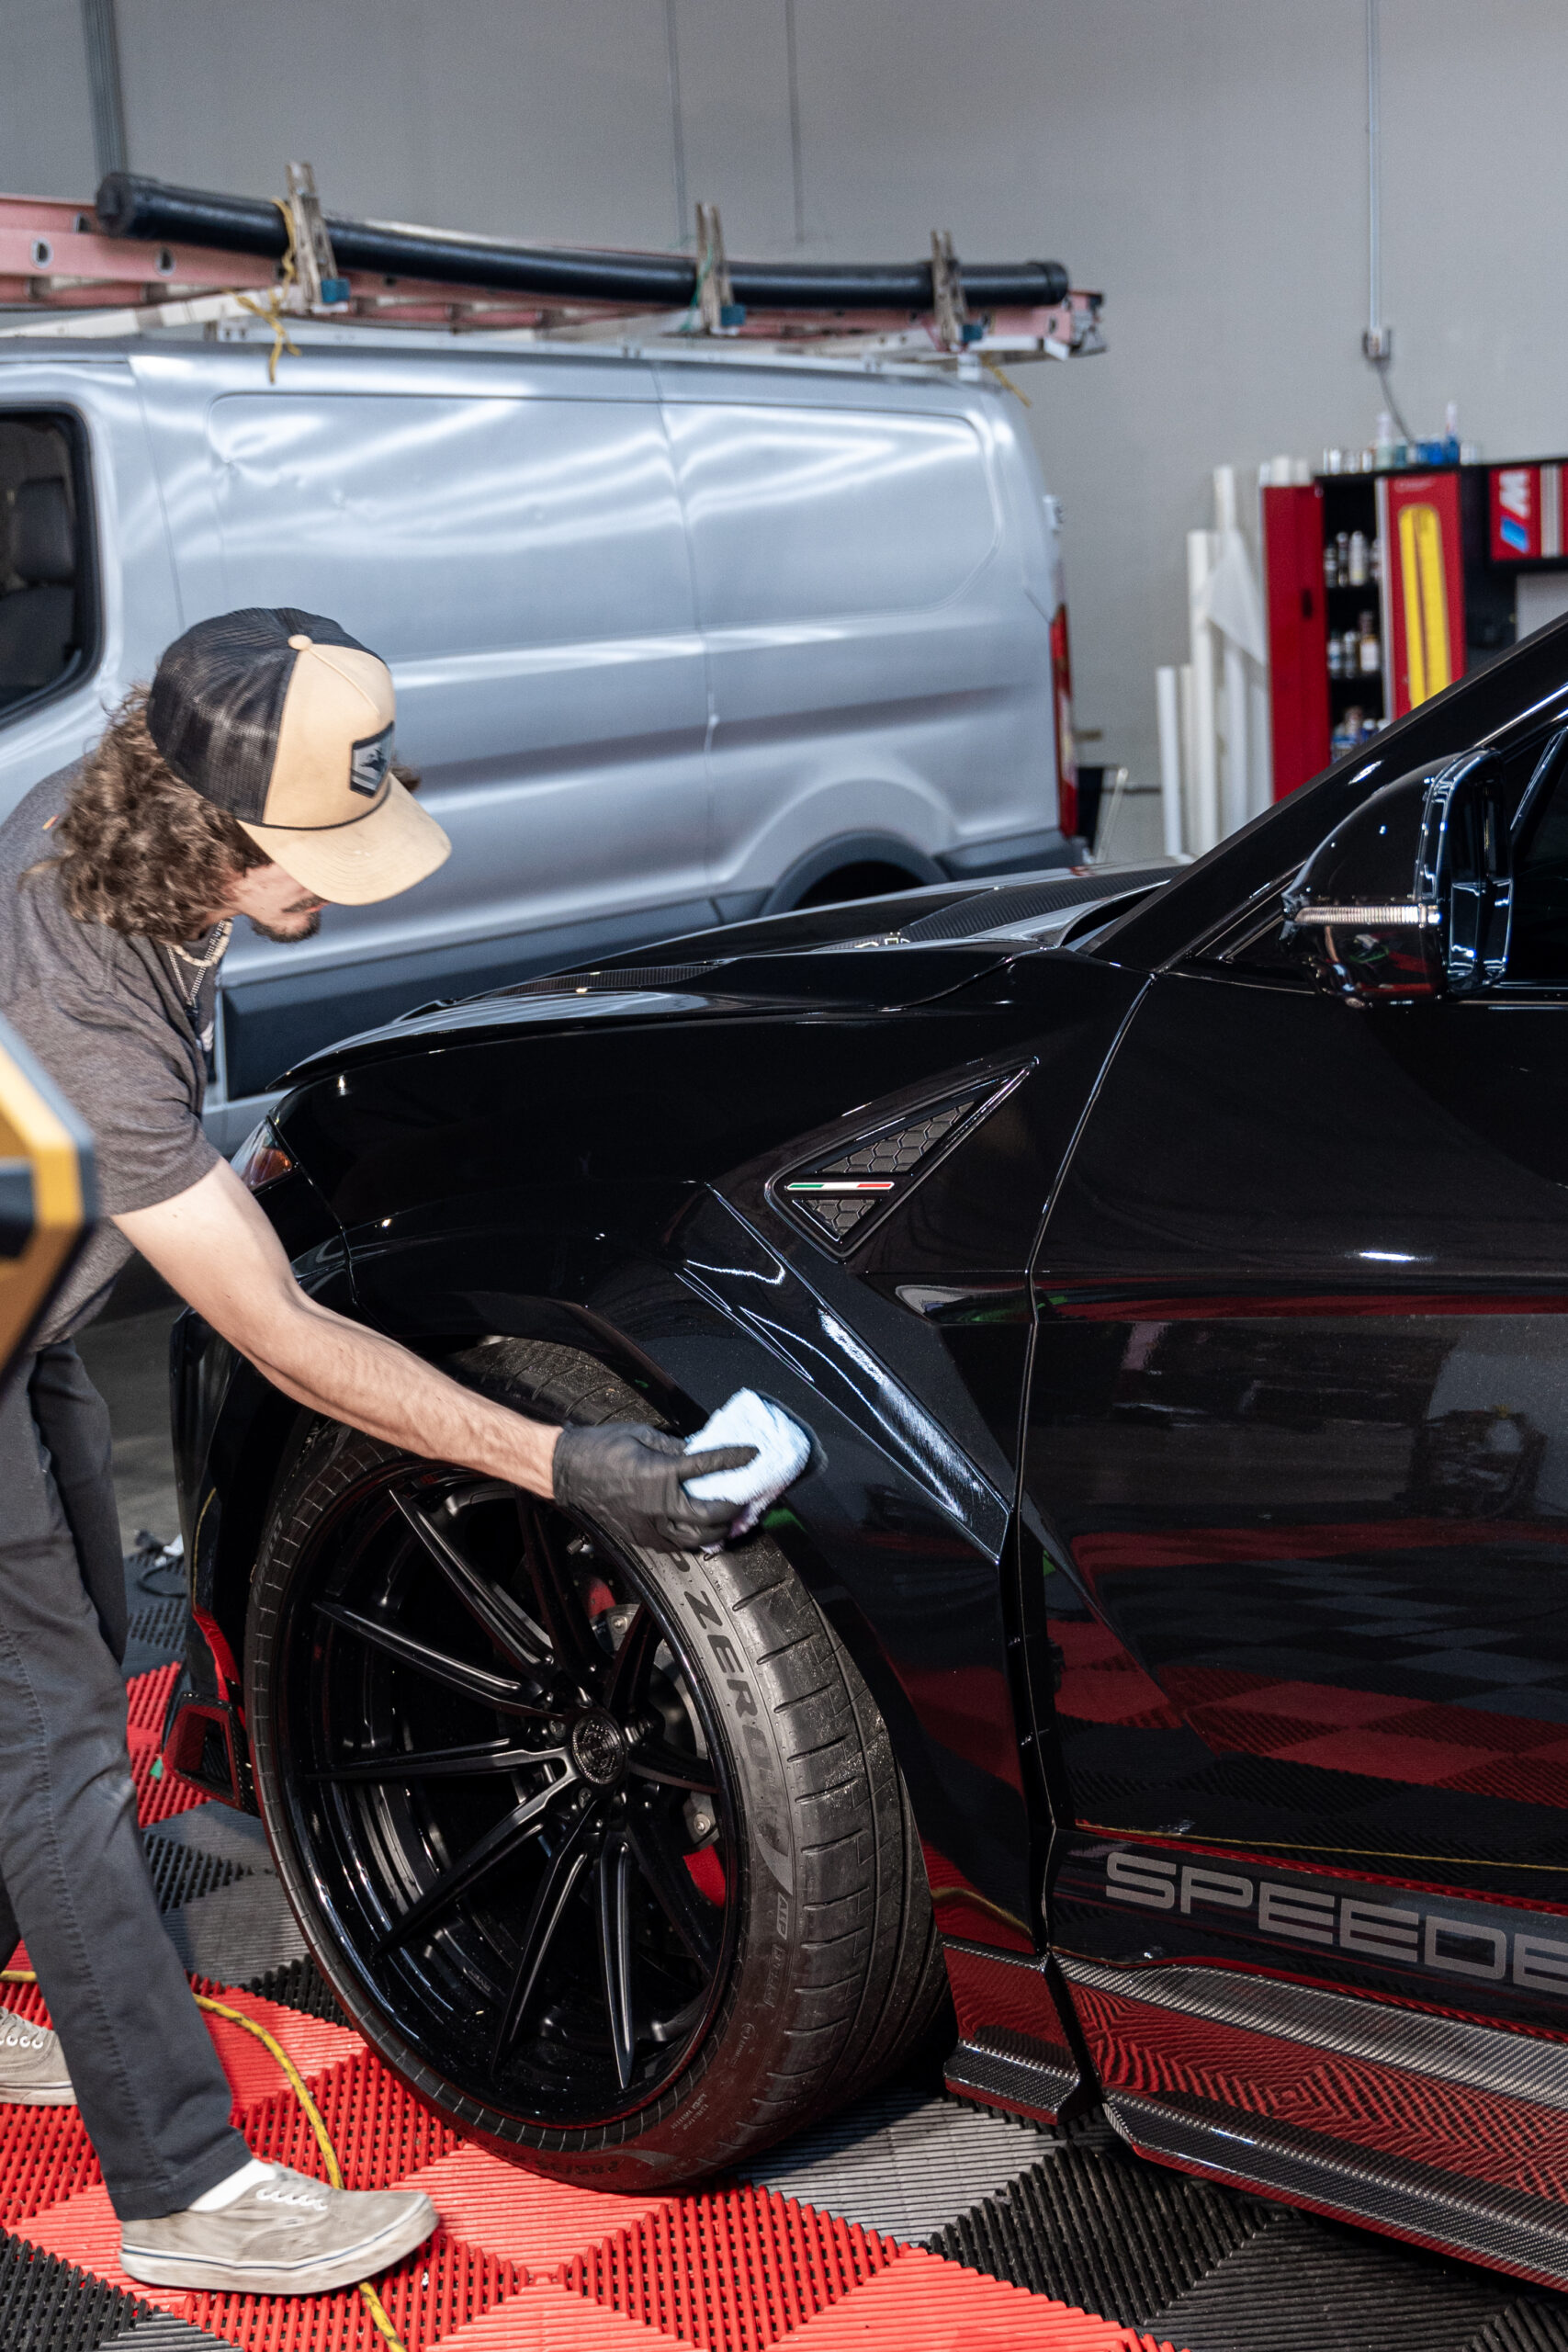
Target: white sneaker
{"type": "Point", "coordinates": [32, 2066]}
{"type": "Point", "coordinates": [284, 2236]}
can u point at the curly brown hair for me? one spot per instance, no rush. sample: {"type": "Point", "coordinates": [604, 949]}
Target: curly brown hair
{"type": "Point", "coordinates": [139, 851]}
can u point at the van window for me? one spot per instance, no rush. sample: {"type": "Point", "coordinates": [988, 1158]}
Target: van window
{"type": "Point", "coordinates": [45, 603]}
{"type": "Point", "coordinates": [432, 527]}
{"type": "Point", "coordinates": [800, 515]}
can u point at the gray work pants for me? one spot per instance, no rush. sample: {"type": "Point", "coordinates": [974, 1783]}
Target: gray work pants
{"type": "Point", "coordinates": [73, 1879]}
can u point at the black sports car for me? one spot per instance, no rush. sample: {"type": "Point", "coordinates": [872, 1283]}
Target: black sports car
{"type": "Point", "coordinates": [1166, 1651]}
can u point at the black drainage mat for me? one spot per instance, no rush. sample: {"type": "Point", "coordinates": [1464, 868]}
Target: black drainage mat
{"type": "Point", "coordinates": [299, 1985]}
{"type": "Point", "coordinates": [181, 1873]}
{"type": "Point", "coordinates": [1190, 2263]}
{"type": "Point", "coordinates": [1094, 2226]}
{"type": "Point", "coordinates": [1361, 2294]}
{"type": "Point", "coordinates": [50, 2306]}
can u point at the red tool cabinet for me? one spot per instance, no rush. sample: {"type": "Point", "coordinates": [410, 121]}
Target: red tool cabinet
{"type": "Point", "coordinates": [1445, 548]}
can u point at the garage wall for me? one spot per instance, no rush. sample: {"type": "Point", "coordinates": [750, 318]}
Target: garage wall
{"type": "Point", "coordinates": [1202, 160]}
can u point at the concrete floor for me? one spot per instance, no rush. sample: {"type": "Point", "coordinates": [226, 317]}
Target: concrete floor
{"type": "Point", "coordinates": [127, 1358]}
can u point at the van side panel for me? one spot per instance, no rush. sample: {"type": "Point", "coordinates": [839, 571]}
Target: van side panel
{"type": "Point", "coordinates": [877, 668]}
{"type": "Point", "coordinates": [520, 562]}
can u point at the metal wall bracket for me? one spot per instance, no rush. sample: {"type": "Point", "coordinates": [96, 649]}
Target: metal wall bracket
{"type": "Point", "coordinates": [721, 313]}
{"type": "Point", "coordinates": [317, 284]}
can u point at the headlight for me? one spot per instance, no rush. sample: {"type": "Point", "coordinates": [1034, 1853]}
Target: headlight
{"type": "Point", "coordinates": [261, 1159]}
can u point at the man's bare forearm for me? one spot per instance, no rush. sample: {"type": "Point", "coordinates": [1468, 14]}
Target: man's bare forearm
{"type": "Point", "coordinates": [337, 1367]}
{"type": "Point", "coordinates": [214, 1247]}
{"type": "Point", "coordinates": [212, 1244]}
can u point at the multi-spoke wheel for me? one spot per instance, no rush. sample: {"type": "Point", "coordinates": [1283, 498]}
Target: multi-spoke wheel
{"type": "Point", "coordinates": [604, 1851]}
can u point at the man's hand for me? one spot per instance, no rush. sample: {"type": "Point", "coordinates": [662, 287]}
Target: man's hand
{"type": "Point", "coordinates": [214, 1246]}
{"type": "Point", "coordinates": [629, 1479]}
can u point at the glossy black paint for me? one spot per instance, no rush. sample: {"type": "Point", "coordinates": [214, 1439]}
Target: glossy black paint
{"type": "Point", "coordinates": [1300, 1395]}
{"type": "Point", "coordinates": [1525, 689]}
{"type": "Point", "coordinates": [1192, 1479]}
{"type": "Point", "coordinates": [595, 1171]}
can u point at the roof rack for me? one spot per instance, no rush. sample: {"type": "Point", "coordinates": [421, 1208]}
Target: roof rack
{"type": "Point", "coordinates": [145, 257]}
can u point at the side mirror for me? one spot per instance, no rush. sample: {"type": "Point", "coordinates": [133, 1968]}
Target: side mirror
{"type": "Point", "coordinates": [1412, 894]}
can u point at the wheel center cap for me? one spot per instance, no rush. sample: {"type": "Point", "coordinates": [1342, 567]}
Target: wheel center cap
{"type": "Point", "coordinates": [599, 1748]}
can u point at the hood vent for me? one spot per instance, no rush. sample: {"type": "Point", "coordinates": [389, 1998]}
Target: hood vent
{"type": "Point", "coordinates": [839, 1199]}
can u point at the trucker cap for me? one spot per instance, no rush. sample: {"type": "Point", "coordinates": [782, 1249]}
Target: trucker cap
{"type": "Point", "coordinates": [285, 720]}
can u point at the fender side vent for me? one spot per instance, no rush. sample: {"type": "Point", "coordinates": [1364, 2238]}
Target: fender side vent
{"type": "Point", "coordinates": [834, 1198]}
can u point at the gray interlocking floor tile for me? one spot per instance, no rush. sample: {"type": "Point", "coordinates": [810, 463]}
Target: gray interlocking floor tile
{"type": "Point", "coordinates": [166, 2333]}
{"type": "Point", "coordinates": [901, 2163]}
{"type": "Point", "coordinates": [237, 1932]}
{"type": "Point", "coordinates": [219, 1830]}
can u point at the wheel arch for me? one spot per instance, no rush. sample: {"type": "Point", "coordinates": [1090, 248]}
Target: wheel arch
{"type": "Point", "coordinates": [847, 850]}
{"type": "Point", "coordinates": [916, 1595]}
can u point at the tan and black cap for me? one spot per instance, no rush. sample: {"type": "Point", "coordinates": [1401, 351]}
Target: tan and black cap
{"type": "Point", "coordinates": [285, 720]}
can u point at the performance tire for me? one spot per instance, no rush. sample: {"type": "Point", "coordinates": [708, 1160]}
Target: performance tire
{"type": "Point", "coordinates": [604, 1851]}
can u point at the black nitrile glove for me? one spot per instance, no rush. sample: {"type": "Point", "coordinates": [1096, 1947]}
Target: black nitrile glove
{"type": "Point", "coordinates": [629, 1479]}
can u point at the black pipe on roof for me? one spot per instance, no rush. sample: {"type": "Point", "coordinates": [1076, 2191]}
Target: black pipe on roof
{"type": "Point", "coordinates": [129, 206]}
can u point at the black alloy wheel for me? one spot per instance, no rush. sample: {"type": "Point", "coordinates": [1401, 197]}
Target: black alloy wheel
{"type": "Point", "coordinates": [604, 1852]}
{"type": "Point", "coordinates": [507, 1796]}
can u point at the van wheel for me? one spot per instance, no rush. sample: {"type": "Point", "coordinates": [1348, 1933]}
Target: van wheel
{"type": "Point", "coordinates": [604, 1851]}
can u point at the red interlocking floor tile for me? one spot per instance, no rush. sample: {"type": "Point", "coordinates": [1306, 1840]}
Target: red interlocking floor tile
{"type": "Point", "coordinates": [84, 2230]}
{"type": "Point", "coordinates": [1190, 1686]}
{"type": "Point", "coordinates": [925, 2304]}
{"type": "Point", "coordinates": [1084, 1641]}
{"type": "Point", "coordinates": [547, 2319]}
{"type": "Point", "coordinates": [45, 2157]}
{"type": "Point", "coordinates": [731, 2272]}
{"type": "Point", "coordinates": [379, 2131]}
{"type": "Point", "coordinates": [443, 2288]}
{"type": "Point", "coordinates": [23, 2000]}
{"type": "Point", "coordinates": [1525, 1779]}
{"type": "Point", "coordinates": [253, 2074]}
{"type": "Point", "coordinates": [1322, 1702]}
{"type": "Point", "coordinates": [538, 2222]}
{"type": "Point", "coordinates": [522, 2263]}
{"type": "Point", "coordinates": [147, 1698]}
{"type": "Point", "coordinates": [1466, 1726]}
{"type": "Point", "coordinates": [1229, 1729]}
{"type": "Point", "coordinates": [158, 1795]}
{"type": "Point", "coordinates": [1379, 1755]}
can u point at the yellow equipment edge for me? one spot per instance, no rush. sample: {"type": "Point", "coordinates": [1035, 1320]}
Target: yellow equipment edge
{"type": "Point", "coordinates": [39, 1128]}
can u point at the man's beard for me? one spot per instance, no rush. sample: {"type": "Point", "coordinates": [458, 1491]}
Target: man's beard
{"type": "Point", "coordinates": [268, 931]}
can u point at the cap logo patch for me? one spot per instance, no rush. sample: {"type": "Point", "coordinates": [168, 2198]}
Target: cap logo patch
{"type": "Point", "coordinates": [369, 761]}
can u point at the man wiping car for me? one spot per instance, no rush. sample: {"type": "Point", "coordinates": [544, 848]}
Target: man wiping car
{"type": "Point", "coordinates": [254, 777]}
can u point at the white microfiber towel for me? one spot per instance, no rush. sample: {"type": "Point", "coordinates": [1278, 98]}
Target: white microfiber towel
{"type": "Point", "coordinates": [783, 1447]}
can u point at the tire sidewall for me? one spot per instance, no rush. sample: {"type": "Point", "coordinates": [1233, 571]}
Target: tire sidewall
{"type": "Point", "coordinates": [715, 2106]}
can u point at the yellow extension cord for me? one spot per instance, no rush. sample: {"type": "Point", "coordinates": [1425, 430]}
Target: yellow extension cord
{"type": "Point", "coordinates": [274, 2048]}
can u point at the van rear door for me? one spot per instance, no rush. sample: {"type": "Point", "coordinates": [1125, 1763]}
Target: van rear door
{"type": "Point", "coordinates": [878, 671]}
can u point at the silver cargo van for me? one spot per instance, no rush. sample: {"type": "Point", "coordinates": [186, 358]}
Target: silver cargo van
{"type": "Point", "coordinates": [675, 641]}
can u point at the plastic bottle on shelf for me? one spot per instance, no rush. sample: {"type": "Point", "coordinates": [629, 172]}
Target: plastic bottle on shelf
{"type": "Point", "coordinates": [1357, 575]}
{"type": "Point", "coordinates": [1451, 433]}
{"type": "Point", "coordinates": [1330, 564]}
{"type": "Point", "coordinates": [1336, 656]}
{"type": "Point", "coordinates": [1368, 652]}
{"type": "Point", "coordinates": [1383, 438]}
{"type": "Point", "coordinates": [1374, 560]}
{"type": "Point", "coordinates": [1342, 557]}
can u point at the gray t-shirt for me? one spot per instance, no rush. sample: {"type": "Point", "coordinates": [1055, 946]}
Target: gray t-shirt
{"type": "Point", "coordinates": [112, 1021]}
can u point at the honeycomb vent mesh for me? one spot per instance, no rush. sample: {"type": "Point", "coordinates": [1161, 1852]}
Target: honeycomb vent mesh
{"type": "Point", "coordinates": [885, 1157]}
